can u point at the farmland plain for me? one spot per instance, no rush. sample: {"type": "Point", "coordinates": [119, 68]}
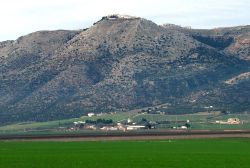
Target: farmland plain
{"type": "Point", "coordinates": [198, 121]}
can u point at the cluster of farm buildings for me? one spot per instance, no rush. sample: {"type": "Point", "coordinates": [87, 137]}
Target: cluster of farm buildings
{"type": "Point", "coordinates": [129, 124]}
{"type": "Point", "coordinates": [229, 121]}
{"type": "Point", "coordinates": [109, 125]}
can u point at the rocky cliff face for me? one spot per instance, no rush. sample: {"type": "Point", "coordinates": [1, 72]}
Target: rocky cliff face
{"type": "Point", "coordinates": [118, 64]}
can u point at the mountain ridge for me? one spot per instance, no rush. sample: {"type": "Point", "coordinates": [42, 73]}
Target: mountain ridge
{"type": "Point", "coordinates": [118, 64]}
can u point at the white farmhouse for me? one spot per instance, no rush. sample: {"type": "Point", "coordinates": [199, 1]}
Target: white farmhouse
{"type": "Point", "coordinates": [91, 114]}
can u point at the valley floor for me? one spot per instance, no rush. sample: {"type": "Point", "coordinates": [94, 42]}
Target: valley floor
{"type": "Point", "coordinates": [197, 121]}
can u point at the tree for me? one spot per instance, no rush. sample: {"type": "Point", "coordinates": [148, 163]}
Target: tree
{"type": "Point", "coordinates": [187, 125]}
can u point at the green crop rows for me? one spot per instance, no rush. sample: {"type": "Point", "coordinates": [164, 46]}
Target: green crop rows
{"type": "Point", "coordinates": [214, 153]}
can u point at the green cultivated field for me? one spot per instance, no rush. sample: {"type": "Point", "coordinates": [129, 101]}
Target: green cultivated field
{"type": "Point", "coordinates": [203, 153]}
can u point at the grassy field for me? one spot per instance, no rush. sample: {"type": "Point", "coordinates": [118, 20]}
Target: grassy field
{"type": "Point", "coordinates": [205, 153]}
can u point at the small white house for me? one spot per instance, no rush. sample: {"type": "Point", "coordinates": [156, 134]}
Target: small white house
{"type": "Point", "coordinates": [129, 120]}
{"type": "Point", "coordinates": [91, 114]}
{"type": "Point", "coordinates": [79, 122]}
{"type": "Point", "coordinates": [135, 127]}
{"type": "Point", "coordinates": [109, 128]}
{"type": "Point", "coordinates": [233, 121]}
{"type": "Point", "coordinates": [183, 127]}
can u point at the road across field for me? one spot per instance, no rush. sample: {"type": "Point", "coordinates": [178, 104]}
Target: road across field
{"type": "Point", "coordinates": [145, 135]}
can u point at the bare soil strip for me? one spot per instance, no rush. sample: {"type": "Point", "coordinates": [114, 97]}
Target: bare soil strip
{"type": "Point", "coordinates": [162, 135]}
{"type": "Point", "coordinates": [134, 138]}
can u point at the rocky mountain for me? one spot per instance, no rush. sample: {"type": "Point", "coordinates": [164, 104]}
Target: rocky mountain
{"type": "Point", "coordinates": [123, 63]}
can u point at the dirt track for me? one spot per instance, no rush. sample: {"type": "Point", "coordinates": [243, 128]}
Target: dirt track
{"type": "Point", "coordinates": [156, 135]}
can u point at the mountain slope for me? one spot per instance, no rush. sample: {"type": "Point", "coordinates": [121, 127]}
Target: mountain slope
{"type": "Point", "coordinates": [119, 63]}
{"type": "Point", "coordinates": [233, 41]}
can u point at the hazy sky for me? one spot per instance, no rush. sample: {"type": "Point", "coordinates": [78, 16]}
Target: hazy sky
{"type": "Point", "coordinates": [20, 17]}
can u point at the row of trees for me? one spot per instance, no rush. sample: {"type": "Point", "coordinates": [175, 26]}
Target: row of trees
{"type": "Point", "coordinates": [100, 121]}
